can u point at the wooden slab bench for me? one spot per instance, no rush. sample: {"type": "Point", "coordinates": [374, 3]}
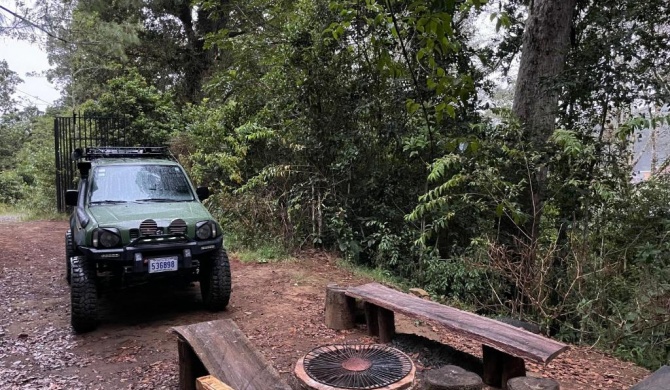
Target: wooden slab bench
{"type": "Point", "coordinates": [219, 348]}
{"type": "Point", "coordinates": [504, 346]}
{"type": "Point", "coordinates": [659, 380]}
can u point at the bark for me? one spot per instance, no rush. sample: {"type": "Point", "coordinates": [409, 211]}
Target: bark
{"type": "Point", "coordinates": [546, 42]}
{"type": "Point", "coordinates": [199, 60]}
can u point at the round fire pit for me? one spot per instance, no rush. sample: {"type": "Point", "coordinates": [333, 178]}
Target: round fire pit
{"type": "Point", "coordinates": [355, 367]}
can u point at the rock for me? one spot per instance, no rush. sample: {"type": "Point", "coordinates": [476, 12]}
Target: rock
{"type": "Point", "coordinates": [419, 292]}
{"type": "Point", "coordinates": [528, 383]}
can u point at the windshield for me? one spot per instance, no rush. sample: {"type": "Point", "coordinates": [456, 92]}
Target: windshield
{"type": "Point", "coordinates": [139, 183]}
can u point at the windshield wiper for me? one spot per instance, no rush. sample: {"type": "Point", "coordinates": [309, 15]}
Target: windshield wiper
{"type": "Point", "coordinates": [108, 201]}
{"type": "Point", "coordinates": [160, 200]}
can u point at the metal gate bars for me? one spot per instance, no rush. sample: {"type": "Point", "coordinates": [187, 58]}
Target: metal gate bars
{"type": "Point", "coordinates": [77, 131]}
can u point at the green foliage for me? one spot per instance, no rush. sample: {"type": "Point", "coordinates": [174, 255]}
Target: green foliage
{"type": "Point", "coordinates": [35, 165]}
{"type": "Point", "coordinates": [602, 277]}
{"type": "Point", "coordinates": [627, 295]}
{"type": "Point", "coordinates": [163, 40]}
{"type": "Point", "coordinates": [379, 275]}
{"type": "Point", "coordinates": [263, 254]}
{"type": "Point", "coordinates": [463, 279]}
{"type": "Point", "coordinates": [16, 128]}
{"type": "Point", "coordinates": [26, 158]}
{"type": "Point", "coordinates": [11, 187]}
{"type": "Point", "coordinates": [357, 126]}
{"type": "Point", "coordinates": [152, 116]}
{"type": "Point", "coordinates": [8, 82]}
{"type": "Point", "coordinates": [303, 150]}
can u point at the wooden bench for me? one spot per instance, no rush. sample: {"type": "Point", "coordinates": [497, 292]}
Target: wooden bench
{"type": "Point", "coordinates": [504, 346]}
{"type": "Point", "coordinates": [219, 348]}
{"type": "Point", "coordinates": [659, 380]}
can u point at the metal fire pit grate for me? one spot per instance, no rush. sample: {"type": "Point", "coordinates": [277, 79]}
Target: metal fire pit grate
{"type": "Point", "coordinates": [357, 366]}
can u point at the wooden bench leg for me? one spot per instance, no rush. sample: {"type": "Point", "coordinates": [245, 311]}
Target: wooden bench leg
{"type": "Point", "coordinates": [190, 367]}
{"type": "Point", "coordinates": [499, 367]}
{"type": "Point", "coordinates": [371, 318]}
{"type": "Point", "coordinates": [386, 323]}
{"type": "Point", "coordinates": [340, 310]}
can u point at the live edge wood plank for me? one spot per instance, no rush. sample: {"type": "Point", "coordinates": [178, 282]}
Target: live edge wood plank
{"type": "Point", "coordinates": [507, 338]}
{"type": "Point", "coordinates": [227, 354]}
{"type": "Point", "coordinates": [659, 380]}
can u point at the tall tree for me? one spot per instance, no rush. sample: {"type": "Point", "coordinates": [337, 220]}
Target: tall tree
{"type": "Point", "coordinates": [546, 44]}
{"type": "Point", "coordinates": [8, 82]}
{"type": "Point", "coordinates": [164, 40]}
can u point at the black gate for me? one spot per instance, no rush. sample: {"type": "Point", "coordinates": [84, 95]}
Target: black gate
{"type": "Point", "coordinates": [77, 131]}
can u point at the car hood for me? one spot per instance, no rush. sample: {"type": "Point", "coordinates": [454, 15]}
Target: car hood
{"type": "Point", "coordinates": [129, 215]}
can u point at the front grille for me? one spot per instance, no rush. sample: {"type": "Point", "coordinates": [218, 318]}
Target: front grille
{"type": "Point", "coordinates": [134, 233]}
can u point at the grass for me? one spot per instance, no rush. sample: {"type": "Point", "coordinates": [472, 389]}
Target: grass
{"type": "Point", "coordinates": [264, 254]}
{"type": "Point", "coordinates": [376, 274]}
{"type": "Point", "coordinates": [45, 216]}
{"type": "Point", "coordinates": [6, 209]}
{"type": "Point", "coordinates": [264, 251]}
{"type": "Point", "coordinates": [27, 214]}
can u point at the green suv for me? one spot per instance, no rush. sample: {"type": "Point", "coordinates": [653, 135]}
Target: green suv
{"type": "Point", "coordinates": [137, 215]}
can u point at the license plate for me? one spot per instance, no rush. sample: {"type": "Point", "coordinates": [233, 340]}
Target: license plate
{"type": "Point", "coordinates": [163, 264]}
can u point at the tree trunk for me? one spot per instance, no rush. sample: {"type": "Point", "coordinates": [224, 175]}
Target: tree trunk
{"type": "Point", "coordinates": [198, 59]}
{"type": "Point", "coordinates": [546, 42]}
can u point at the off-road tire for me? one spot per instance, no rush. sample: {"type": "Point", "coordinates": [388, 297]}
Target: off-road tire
{"type": "Point", "coordinates": [69, 252]}
{"type": "Point", "coordinates": [83, 295]}
{"type": "Point", "coordinates": [215, 280]}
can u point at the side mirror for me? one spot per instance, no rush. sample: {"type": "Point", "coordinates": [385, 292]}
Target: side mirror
{"type": "Point", "coordinates": [71, 197]}
{"type": "Point", "coordinates": [202, 192]}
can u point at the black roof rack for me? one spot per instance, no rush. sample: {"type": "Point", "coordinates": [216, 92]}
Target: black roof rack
{"type": "Point", "coordinates": [119, 152]}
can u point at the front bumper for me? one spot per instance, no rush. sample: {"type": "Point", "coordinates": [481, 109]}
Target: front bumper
{"type": "Point", "coordinates": [137, 255]}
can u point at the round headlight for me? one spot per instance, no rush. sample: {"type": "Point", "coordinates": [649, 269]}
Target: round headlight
{"type": "Point", "coordinates": [204, 232]}
{"type": "Point", "coordinates": [109, 239]}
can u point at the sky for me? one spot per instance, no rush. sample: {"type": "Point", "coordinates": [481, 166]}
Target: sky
{"type": "Point", "coordinates": [24, 57]}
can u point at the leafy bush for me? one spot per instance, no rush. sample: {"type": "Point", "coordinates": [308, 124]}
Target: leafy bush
{"type": "Point", "coordinates": [35, 164]}
{"type": "Point", "coordinates": [11, 187]}
{"type": "Point", "coordinates": [151, 116]}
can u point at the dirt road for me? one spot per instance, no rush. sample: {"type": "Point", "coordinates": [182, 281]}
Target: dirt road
{"type": "Point", "coordinates": [278, 306]}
